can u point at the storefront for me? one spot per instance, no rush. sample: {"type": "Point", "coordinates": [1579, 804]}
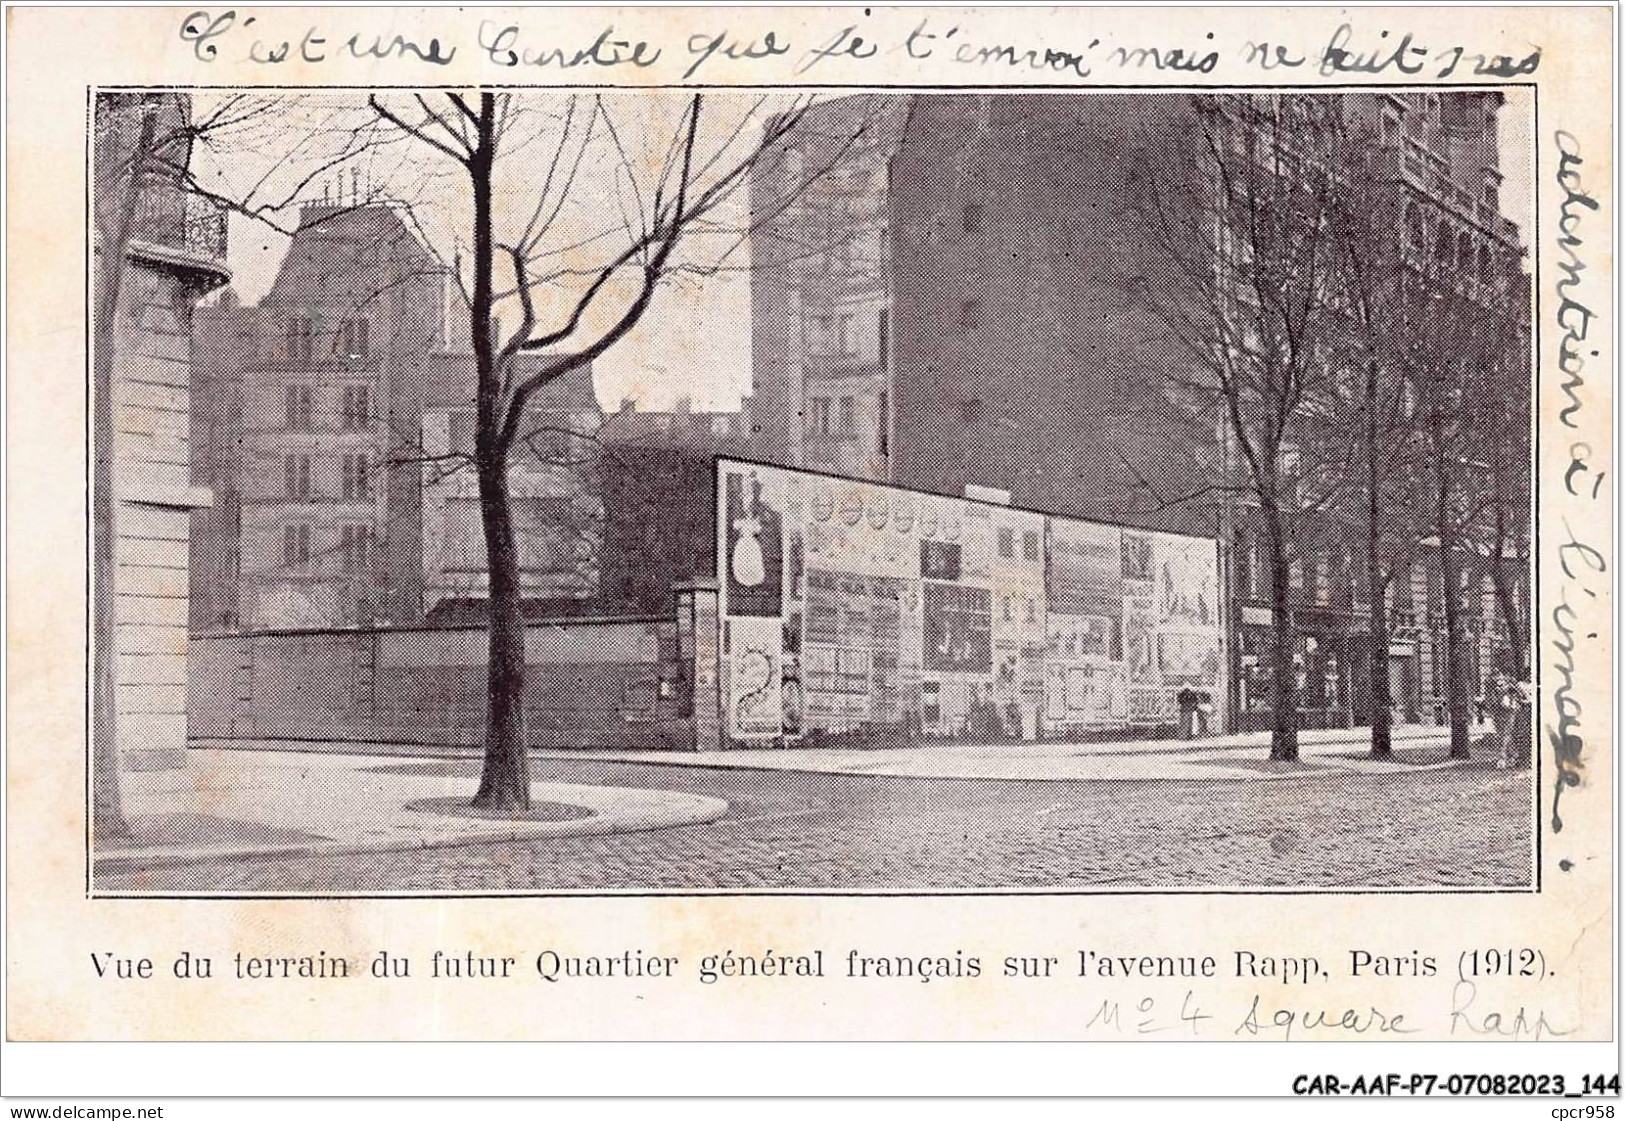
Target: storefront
{"type": "Point", "coordinates": [1325, 659]}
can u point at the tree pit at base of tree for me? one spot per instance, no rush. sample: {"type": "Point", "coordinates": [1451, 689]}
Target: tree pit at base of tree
{"type": "Point", "coordinates": [463, 807]}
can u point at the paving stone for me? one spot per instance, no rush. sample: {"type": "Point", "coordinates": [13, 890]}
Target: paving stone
{"type": "Point", "coordinates": [1466, 826]}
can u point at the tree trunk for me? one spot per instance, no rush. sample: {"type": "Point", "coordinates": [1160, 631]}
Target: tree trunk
{"type": "Point", "coordinates": [1283, 676]}
{"type": "Point", "coordinates": [108, 822]}
{"type": "Point", "coordinates": [1506, 599]}
{"type": "Point", "coordinates": [505, 782]}
{"type": "Point", "coordinates": [505, 779]}
{"type": "Point", "coordinates": [1382, 745]}
{"type": "Point", "coordinates": [1456, 697]}
{"type": "Point", "coordinates": [1382, 698]}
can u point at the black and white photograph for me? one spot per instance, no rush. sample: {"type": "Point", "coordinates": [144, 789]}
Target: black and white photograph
{"type": "Point", "coordinates": [532, 491]}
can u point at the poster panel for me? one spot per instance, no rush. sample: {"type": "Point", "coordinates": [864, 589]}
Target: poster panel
{"type": "Point", "coordinates": [753, 537]}
{"type": "Point", "coordinates": [1085, 569]}
{"type": "Point", "coordinates": [958, 629]}
{"type": "Point", "coordinates": [755, 679]}
{"type": "Point", "coordinates": [1187, 581]}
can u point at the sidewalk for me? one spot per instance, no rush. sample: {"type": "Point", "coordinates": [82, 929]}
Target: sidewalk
{"type": "Point", "coordinates": [1237, 757]}
{"type": "Point", "coordinates": [226, 805]}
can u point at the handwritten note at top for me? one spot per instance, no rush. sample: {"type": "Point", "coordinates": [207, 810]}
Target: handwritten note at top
{"type": "Point", "coordinates": [718, 52]}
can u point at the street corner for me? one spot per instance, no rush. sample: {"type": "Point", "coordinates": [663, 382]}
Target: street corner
{"type": "Point", "coordinates": [243, 812]}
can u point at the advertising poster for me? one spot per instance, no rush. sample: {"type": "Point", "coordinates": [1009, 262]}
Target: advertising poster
{"type": "Point", "coordinates": [939, 560]}
{"type": "Point", "coordinates": [1187, 579]}
{"type": "Point", "coordinates": [755, 679]}
{"type": "Point", "coordinates": [1139, 639]}
{"type": "Point", "coordinates": [1188, 656]}
{"type": "Point", "coordinates": [1137, 563]}
{"type": "Point", "coordinates": [1085, 569]}
{"type": "Point", "coordinates": [753, 536]}
{"type": "Point", "coordinates": [958, 629]}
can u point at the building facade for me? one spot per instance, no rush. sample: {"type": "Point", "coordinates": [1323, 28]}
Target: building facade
{"type": "Point", "coordinates": [317, 398]}
{"type": "Point", "coordinates": [820, 299]}
{"type": "Point", "coordinates": [170, 247]}
{"type": "Point", "coordinates": [554, 480]}
{"type": "Point", "coordinates": [337, 429]}
{"type": "Point", "coordinates": [1022, 354]}
{"type": "Point", "coordinates": [658, 472]}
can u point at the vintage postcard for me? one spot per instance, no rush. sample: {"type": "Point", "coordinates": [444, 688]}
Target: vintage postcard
{"type": "Point", "coordinates": [805, 524]}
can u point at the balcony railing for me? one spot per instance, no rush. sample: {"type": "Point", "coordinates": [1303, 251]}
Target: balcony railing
{"type": "Point", "coordinates": [170, 218]}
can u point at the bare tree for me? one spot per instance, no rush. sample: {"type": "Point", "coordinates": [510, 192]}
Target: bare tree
{"type": "Point", "coordinates": [1465, 372]}
{"type": "Point", "coordinates": [1379, 286]}
{"type": "Point", "coordinates": [1500, 418]}
{"type": "Point", "coordinates": [1244, 281]}
{"type": "Point", "coordinates": [522, 159]}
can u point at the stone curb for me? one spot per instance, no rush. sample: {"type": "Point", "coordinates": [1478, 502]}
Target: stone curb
{"type": "Point", "coordinates": [696, 810]}
{"type": "Point", "coordinates": [1326, 771]}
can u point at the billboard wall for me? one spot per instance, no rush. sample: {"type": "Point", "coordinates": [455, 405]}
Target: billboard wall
{"type": "Point", "coordinates": [849, 604]}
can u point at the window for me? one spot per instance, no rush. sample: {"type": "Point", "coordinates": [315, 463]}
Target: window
{"type": "Point", "coordinates": [350, 341]}
{"type": "Point", "coordinates": [296, 545]}
{"type": "Point", "coordinates": [1485, 270]}
{"type": "Point", "coordinates": [1342, 575]}
{"type": "Point", "coordinates": [460, 432]}
{"type": "Point", "coordinates": [1472, 592]}
{"type": "Point", "coordinates": [1403, 592]}
{"type": "Point", "coordinates": [883, 335]}
{"type": "Point", "coordinates": [1464, 252]}
{"type": "Point", "coordinates": [970, 315]}
{"type": "Point", "coordinates": [550, 445]}
{"type": "Point", "coordinates": [885, 423]}
{"type": "Point", "coordinates": [1007, 542]}
{"type": "Point", "coordinates": [820, 416]}
{"type": "Point", "coordinates": [1244, 564]}
{"type": "Point", "coordinates": [1492, 196]}
{"type": "Point", "coordinates": [299, 338]}
{"type": "Point", "coordinates": [299, 408]}
{"type": "Point", "coordinates": [848, 417]}
{"type": "Point", "coordinates": [545, 526]}
{"type": "Point", "coordinates": [823, 335]}
{"type": "Point", "coordinates": [357, 412]}
{"type": "Point", "coordinates": [296, 474]}
{"type": "Point", "coordinates": [1414, 229]}
{"type": "Point", "coordinates": [973, 217]}
{"type": "Point", "coordinates": [843, 339]}
{"type": "Point", "coordinates": [357, 477]}
{"type": "Point", "coordinates": [970, 412]}
{"type": "Point", "coordinates": [1444, 245]}
{"type": "Point", "coordinates": [1029, 545]}
{"type": "Point", "coordinates": [354, 546]}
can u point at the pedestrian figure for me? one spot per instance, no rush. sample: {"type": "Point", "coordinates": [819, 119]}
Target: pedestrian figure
{"type": "Point", "coordinates": [1506, 701]}
{"type": "Point", "coordinates": [1188, 701]}
{"type": "Point", "coordinates": [1204, 713]}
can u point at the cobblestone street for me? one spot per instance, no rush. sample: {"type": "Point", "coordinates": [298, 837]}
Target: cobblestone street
{"type": "Point", "coordinates": [1468, 827]}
